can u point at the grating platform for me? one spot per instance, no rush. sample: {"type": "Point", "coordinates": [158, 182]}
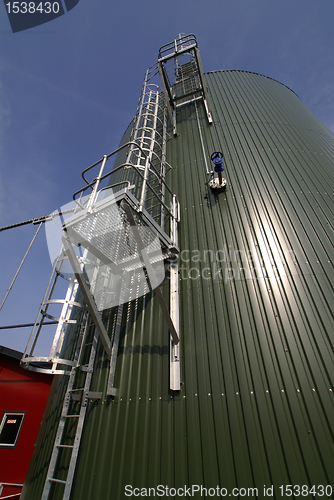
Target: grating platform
{"type": "Point", "coordinates": [106, 233]}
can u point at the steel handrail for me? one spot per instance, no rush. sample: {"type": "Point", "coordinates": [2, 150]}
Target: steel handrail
{"type": "Point", "coordinates": [138, 170]}
{"type": "Point", "coordinates": [176, 45]}
{"type": "Point", "coordinates": [127, 164]}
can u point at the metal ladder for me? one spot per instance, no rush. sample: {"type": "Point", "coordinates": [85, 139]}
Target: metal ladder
{"type": "Point", "coordinates": [150, 133]}
{"type": "Point", "coordinates": [150, 158]}
{"type": "Point", "coordinates": [80, 374]}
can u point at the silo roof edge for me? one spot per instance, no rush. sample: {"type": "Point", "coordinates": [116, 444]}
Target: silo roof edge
{"type": "Point", "coordinates": [250, 72]}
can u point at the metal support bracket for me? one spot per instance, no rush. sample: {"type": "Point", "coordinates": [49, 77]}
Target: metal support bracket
{"type": "Point", "coordinates": [90, 395]}
{"type": "Point", "coordinates": [111, 389]}
{"type": "Point", "coordinates": [151, 275]}
{"type": "Point", "coordinates": [87, 294]}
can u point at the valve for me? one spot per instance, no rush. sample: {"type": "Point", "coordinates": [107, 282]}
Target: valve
{"type": "Point", "coordinates": [218, 161]}
{"type": "Point", "coordinates": [218, 166]}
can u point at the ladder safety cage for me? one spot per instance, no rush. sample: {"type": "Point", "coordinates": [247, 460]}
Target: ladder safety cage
{"type": "Point", "coordinates": [155, 211]}
{"type": "Point", "coordinates": [145, 185]}
{"type": "Point", "coordinates": [127, 230]}
{"type": "Point", "coordinates": [73, 314]}
{"type": "Point", "coordinates": [132, 229]}
{"type": "Point", "coordinates": [89, 214]}
{"type": "Point", "coordinates": [182, 76]}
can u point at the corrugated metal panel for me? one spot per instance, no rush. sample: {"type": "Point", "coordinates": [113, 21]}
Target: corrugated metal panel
{"type": "Point", "coordinates": [268, 338]}
{"type": "Point", "coordinates": [256, 405]}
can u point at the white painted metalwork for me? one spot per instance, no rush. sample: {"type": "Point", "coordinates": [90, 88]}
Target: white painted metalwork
{"type": "Point", "coordinates": [93, 226]}
{"type": "Point", "coordinates": [12, 485]}
{"type": "Point", "coordinates": [60, 358]}
{"type": "Point", "coordinates": [76, 394]}
{"type": "Point", "coordinates": [182, 76]}
{"type": "Point", "coordinates": [150, 134]}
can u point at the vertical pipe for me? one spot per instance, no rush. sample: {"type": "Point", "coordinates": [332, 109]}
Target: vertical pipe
{"type": "Point", "coordinates": [174, 349]}
{"type": "Point", "coordinates": [201, 137]}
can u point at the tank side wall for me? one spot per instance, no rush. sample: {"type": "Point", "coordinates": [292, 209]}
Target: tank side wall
{"type": "Point", "coordinates": [256, 283]}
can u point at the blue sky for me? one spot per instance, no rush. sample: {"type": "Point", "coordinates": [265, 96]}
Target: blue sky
{"type": "Point", "coordinates": [69, 88]}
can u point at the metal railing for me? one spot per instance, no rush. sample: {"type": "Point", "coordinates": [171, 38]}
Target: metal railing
{"type": "Point", "coordinates": [146, 155]}
{"type": "Point", "coordinates": [10, 485]}
{"type": "Point", "coordinates": [180, 44]}
{"type": "Point", "coordinates": [95, 183]}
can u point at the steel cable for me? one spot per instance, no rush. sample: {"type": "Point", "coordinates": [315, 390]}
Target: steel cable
{"type": "Point", "coordinates": [19, 268]}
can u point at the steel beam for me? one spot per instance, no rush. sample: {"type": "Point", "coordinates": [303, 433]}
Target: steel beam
{"type": "Point", "coordinates": [150, 271]}
{"type": "Point", "coordinates": [87, 294]}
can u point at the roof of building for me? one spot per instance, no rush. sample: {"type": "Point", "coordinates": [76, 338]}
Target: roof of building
{"type": "Point", "coordinates": [6, 351]}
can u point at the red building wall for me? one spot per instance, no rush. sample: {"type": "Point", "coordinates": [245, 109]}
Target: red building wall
{"type": "Point", "coordinates": [20, 391]}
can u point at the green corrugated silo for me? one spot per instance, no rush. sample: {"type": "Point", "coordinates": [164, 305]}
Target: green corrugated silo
{"type": "Point", "coordinates": [255, 300]}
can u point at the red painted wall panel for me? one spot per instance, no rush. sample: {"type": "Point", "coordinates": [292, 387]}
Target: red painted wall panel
{"type": "Point", "coordinates": [20, 391]}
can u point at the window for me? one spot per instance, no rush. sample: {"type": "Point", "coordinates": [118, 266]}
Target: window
{"type": "Point", "coordinates": [10, 427]}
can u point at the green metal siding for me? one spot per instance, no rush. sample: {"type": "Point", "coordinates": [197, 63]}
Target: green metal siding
{"type": "Point", "coordinates": [256, 405]}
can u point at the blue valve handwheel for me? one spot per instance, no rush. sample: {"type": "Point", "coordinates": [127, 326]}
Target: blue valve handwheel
{"type": "Point", "coordinates": [217, 155]}
{"type": "Point", "coordinates": [218, 161]}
